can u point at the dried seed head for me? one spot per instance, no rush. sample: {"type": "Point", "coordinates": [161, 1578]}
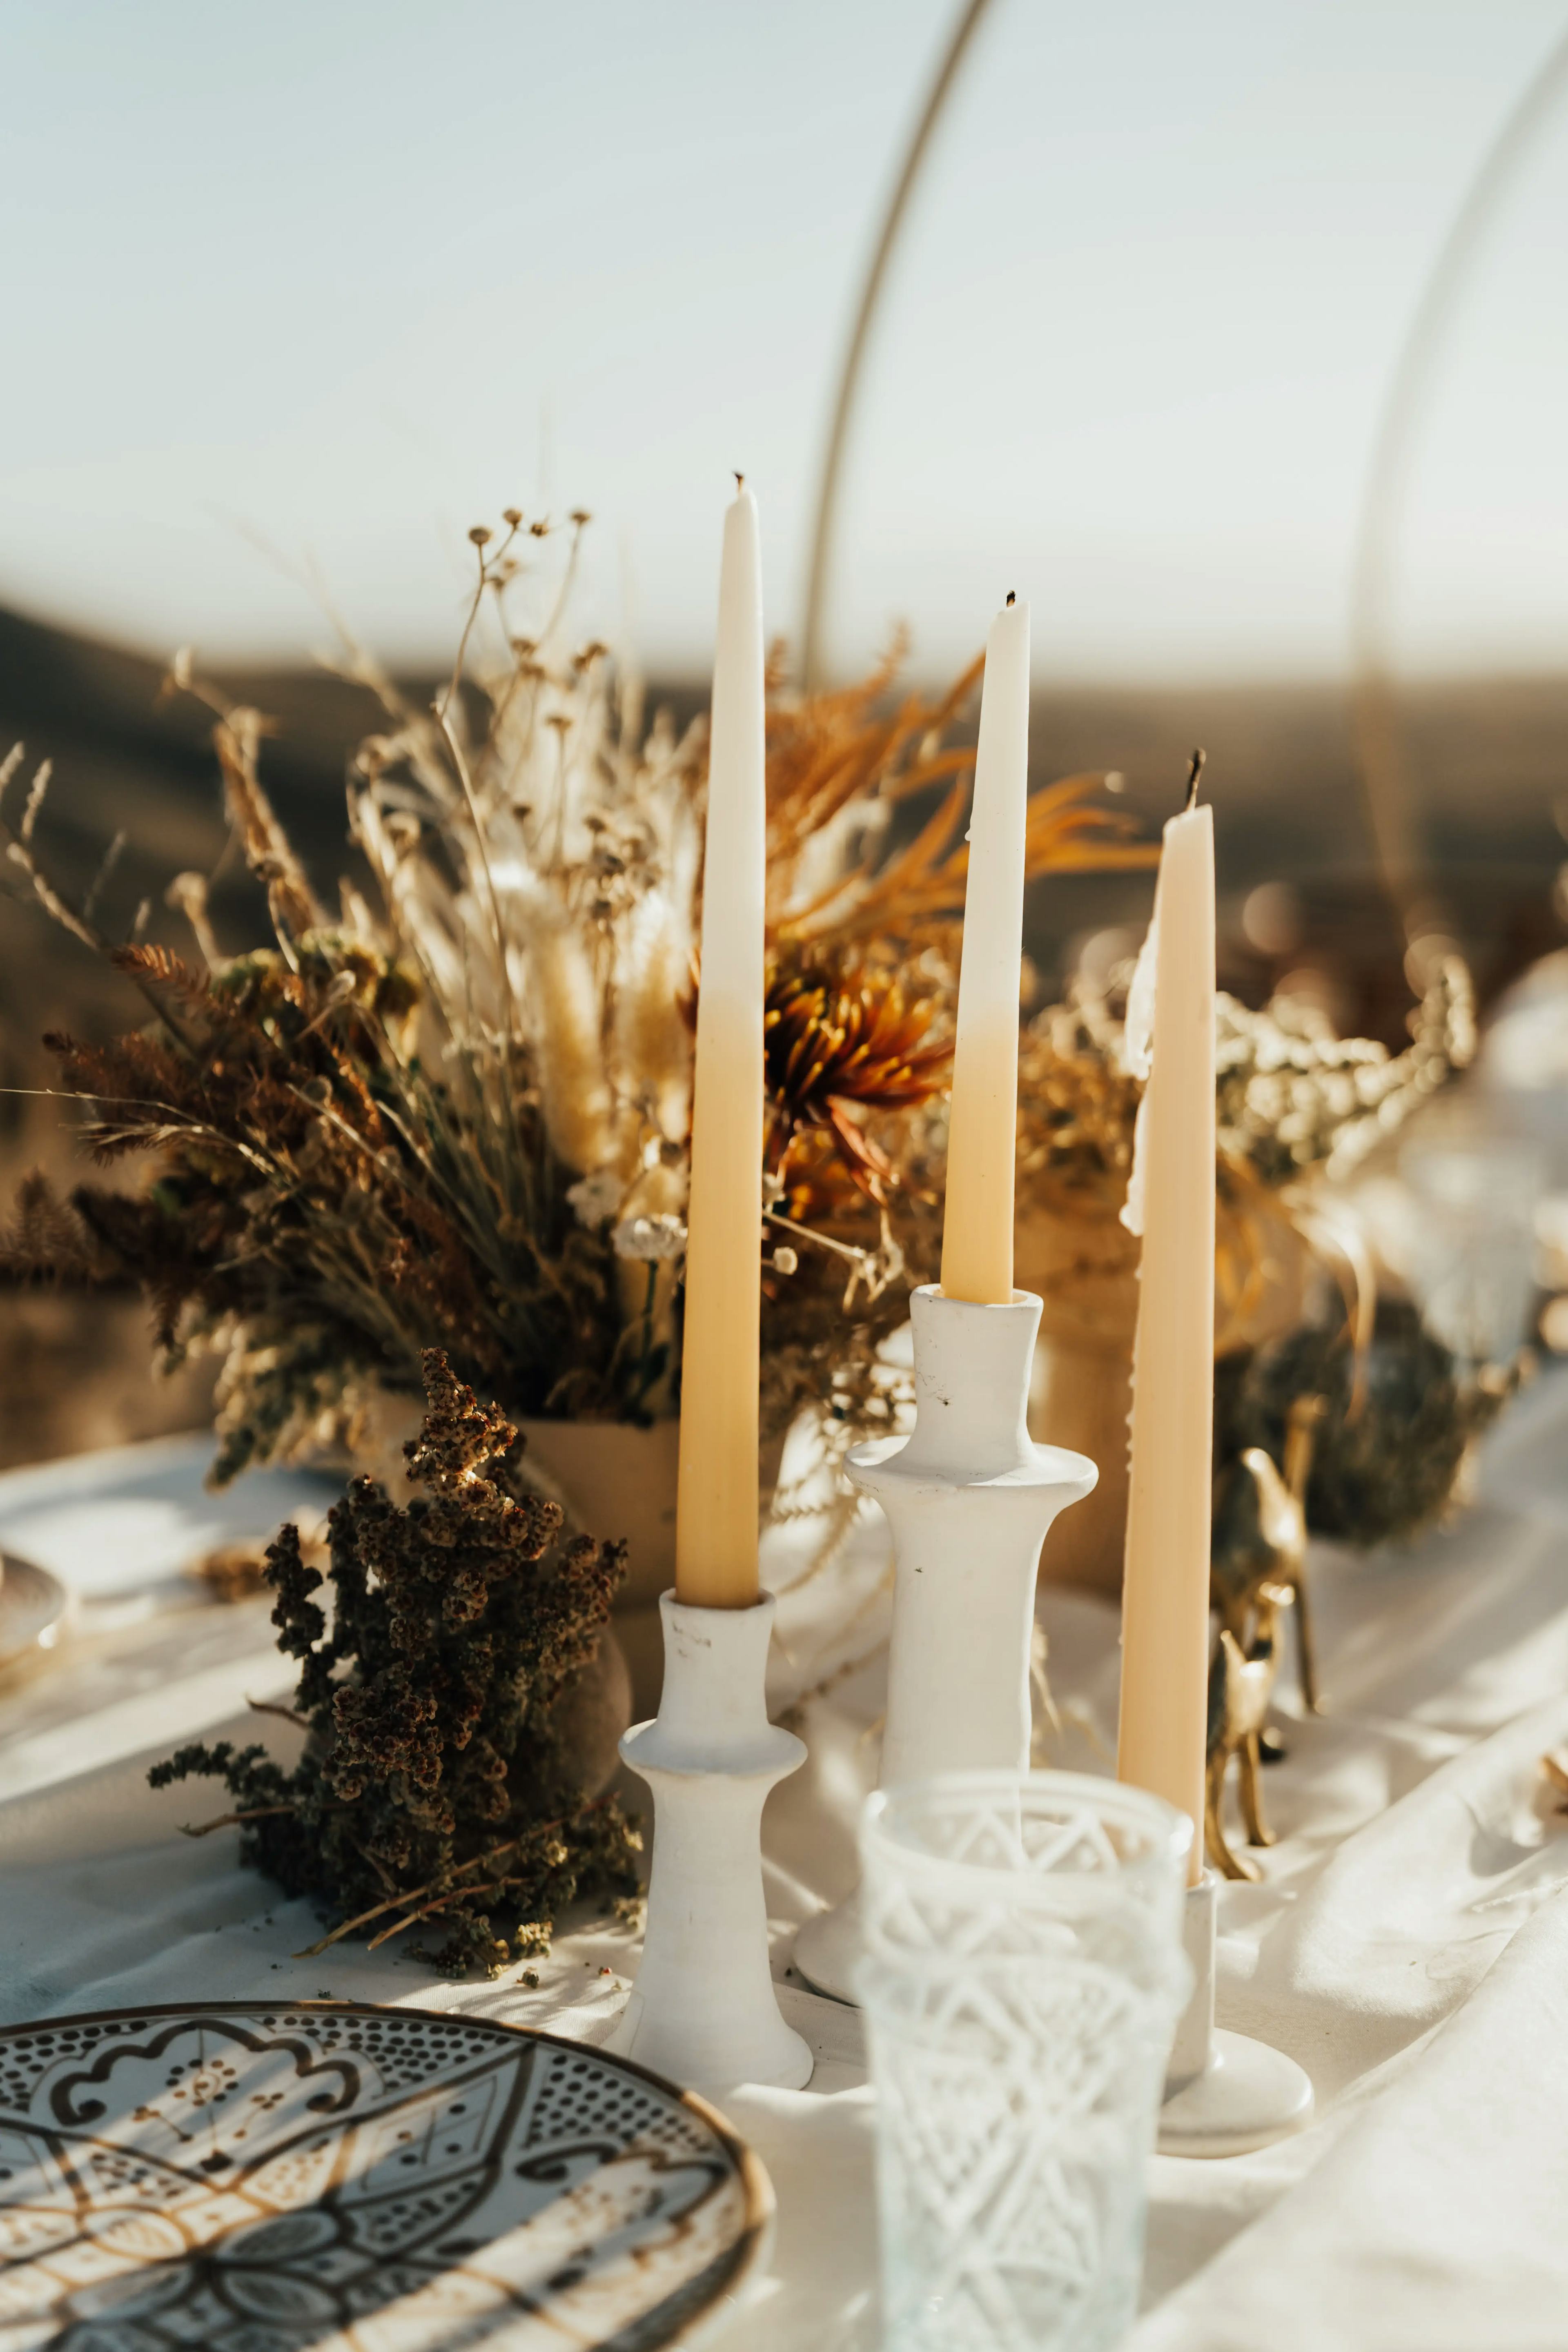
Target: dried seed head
{"type": "Point", "coordinates": [512, 515]}
{"type": "Point", "coordinates": [480, 534]}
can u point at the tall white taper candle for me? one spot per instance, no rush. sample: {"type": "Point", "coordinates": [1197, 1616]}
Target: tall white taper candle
{"type": "Point", "coordinates": [1165, 1586]}
{"type": "Point", "coordinates": [982, 1135]}
{"type": "Point", "coordinates": [716, 1509]}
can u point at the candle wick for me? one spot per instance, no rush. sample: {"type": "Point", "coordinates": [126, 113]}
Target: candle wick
{"type": "Point", "coordinates": [1012, 596]}
{"type": "Point", "coordinates": [740, 480]}
{"type": "Point", "coordinates": [1194, 770]}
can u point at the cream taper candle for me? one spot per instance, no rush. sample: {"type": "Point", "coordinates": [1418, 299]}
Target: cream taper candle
{"type": "Point", "coordinates": [716, 1506]}
{"type": "Point", "coordinates": [983, 1122]}
{"type": "Point", "coordinates": [1171, 1200]}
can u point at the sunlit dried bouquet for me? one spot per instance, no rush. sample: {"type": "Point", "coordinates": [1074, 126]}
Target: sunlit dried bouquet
{"type": "Point", "coordinates": [450, 1108]}
{"type": "Point", "coordinates": [1297, 1108]}
{"type": "Point", "coordinates": [1297, 1306]}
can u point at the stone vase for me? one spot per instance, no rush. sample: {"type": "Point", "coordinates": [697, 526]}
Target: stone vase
{"type": "Point", "coordinates": [1085, 1268]}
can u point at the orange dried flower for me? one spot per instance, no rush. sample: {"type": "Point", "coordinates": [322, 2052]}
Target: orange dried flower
{"type": "Point", "coordinates": [841, 1039]}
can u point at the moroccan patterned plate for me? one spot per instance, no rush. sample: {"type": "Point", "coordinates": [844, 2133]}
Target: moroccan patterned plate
{"type": "Point", "coordinates": [32, 1611]}
{"type": "Point", "coordinates": [357, 2180]}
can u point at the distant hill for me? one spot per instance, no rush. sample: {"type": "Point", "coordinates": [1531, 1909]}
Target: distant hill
{"type": "Point", "coordinates": [1493, 759]}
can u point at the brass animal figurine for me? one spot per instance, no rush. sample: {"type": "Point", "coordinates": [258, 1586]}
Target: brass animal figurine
{"type": "Point", "coordinates": [1280, 1553]}
{"type": "Point", "coordinates": [1241, 1685]}
{"type": "Point", "coordinates": [1265, 1574]}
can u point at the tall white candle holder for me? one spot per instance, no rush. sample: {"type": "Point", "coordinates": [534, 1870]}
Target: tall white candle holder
{"type": "Point", "coordinates": [969, 1497]}
{"type": "Point", "coordinates": [703, 2010]}
{"type": "Point", "coordinates": [1224, 2092]}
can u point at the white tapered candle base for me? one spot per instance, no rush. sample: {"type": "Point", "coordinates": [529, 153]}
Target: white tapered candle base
{"type": "Point", "coordinates": [703, 2010]}
{"type": "Point", "coordinates": [969, 1497]}
{"type": "Point", "coordinates": [1224, 2092]}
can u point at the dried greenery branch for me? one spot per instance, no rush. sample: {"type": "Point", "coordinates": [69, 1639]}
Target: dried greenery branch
{"type": "Point", "coordinates": [453, 1111]}
{"type": "Point", "coordinates": [1293, 1100]}
{"type": "Point", "coordinates": [434, 1783]}
{"type": "Point", "coordinates": [1298, 1107]}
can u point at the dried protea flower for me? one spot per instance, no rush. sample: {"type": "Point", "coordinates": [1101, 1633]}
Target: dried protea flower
{"type": "Point", "coordinates": [842, 1038]}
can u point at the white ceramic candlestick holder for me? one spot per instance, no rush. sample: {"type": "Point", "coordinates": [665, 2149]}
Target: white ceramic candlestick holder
{"type": "Point", "coordinates": [1224, 2092]}
{"type": "Point", "coordinates": [703, 2010]}
{"type": "Point", "coordinates": [969, 1497]}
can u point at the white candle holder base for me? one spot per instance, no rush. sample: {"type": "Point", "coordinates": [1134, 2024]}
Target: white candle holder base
{"type": "Point", "coordinates": [1224, 2092]}
{"type": "Point", "coordinates": [704, 2011]}
{"type": "Point", "coordinates": [969, 1497]}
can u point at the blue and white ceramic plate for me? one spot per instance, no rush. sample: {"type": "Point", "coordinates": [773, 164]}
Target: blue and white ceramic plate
{"type": "Point", "coordinates": [335, 2176]}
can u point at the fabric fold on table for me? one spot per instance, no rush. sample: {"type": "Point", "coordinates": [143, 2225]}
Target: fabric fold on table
{"type": "Point", "coordinates": [1408, 1941]}
{"type": "Point", "coordinates": [1439, 2222]}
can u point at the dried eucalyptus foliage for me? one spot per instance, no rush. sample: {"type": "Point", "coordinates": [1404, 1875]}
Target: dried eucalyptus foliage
{"type": "Point", "coordinates": [454, 1112]}
{"type": "Point", "coordinates": [433, 1790]}
{"type": "Point", "coordinates": [1296, 1109]}
{"type": "Point", "coordinates": [1292, 1099]}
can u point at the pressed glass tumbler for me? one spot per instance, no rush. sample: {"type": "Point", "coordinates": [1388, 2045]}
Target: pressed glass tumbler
{"type": "Point", "coordinates": [1021, 1977]}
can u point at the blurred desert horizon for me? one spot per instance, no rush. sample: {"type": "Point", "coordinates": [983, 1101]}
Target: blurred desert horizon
{"type": "Point", "coordinates": [1302, 904]}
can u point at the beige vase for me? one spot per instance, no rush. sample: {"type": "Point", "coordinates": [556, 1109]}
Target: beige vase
{"type": "Point", "coordinates": [1085, 1269]}
{"type": "Point", "coordinates": [1086, 1272]}
{"type": "Point", "coordinates": [618, 1483]}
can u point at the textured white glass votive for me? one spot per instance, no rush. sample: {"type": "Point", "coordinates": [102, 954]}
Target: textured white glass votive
{"type": "Point", "coordinates": [1021, 1977]}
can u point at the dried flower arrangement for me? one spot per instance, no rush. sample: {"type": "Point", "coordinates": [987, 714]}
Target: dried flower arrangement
{"type": "Point", "coordinates": [1298, 1110]}
{"type": "Point", "coordinates": [1295, 1103]}
{"type": "Point", "coordinates": [434, 1789]}
{"type": "Point", "coordinates": [451, 1110]}
{"type": "Point", "coordinates": [1292, 1099]}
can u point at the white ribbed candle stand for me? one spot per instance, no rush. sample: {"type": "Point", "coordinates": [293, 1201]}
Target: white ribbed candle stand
{"type": "Point", "coordinates": [1224, 2092]}
{"type": "Point", "coordinates": [969, 1497]}
{"type": "Point", "coordinates": [703, 2010]}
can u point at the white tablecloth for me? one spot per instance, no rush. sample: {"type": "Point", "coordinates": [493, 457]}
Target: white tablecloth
{"type": "Point", "coordinates": [1409, 1946]}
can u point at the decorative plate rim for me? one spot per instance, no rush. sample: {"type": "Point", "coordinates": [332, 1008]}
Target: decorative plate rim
{"type": "Point", "coordinates": [48, 1588]}
{"type": "Point", "coordinates": [760, 2202]}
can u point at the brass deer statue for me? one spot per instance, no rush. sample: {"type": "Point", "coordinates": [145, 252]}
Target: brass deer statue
{"type": "Point", "coordinates": [1247, 1660]}
{"type": "Point", "coordinates": [1241, 1685]}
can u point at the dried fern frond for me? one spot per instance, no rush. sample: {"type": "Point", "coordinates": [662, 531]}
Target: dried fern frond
{"type": "Point", "coordinates": [46, 1242]}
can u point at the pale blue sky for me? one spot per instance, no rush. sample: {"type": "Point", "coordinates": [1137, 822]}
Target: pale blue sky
{"type": "Point", "coordinates": [349, 275]}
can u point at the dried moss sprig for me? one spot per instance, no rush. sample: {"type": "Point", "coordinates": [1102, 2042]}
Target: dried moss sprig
{"type": "Point", "coordinates": [1385, 1469]}
{"type": "Point", "coordinates": [434, 1786]}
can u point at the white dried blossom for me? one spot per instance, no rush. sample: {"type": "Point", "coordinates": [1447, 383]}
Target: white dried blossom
{"type": "Point", "coordinates": [652, 1240]}
{"type": "Point", "coordinates": [595, 1199]}
{"type": "Point", "coordinates": [785, 1260]}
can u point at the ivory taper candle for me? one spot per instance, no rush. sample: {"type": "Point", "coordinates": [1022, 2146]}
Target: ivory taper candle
{"type": "Point", "coordinates": [1171, 1200]}
{"type": "Point", "coordinates": [983, 1121]}
{"type": "Point", "coordinates": [716, 1506]}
